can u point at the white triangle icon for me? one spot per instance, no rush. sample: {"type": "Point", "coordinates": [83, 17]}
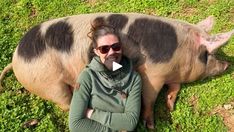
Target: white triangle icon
{"type": "Point", "coordinates": [116, 66]}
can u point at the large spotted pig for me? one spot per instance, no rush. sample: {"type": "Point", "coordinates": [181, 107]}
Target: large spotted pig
{"type": "Point", "coordinates": [51, 55]}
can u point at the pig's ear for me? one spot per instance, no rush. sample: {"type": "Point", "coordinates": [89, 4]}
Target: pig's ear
{"type": "Point", "coordinates": [216, 41]}
{"type": "Point", "coordinates": [207, 23]}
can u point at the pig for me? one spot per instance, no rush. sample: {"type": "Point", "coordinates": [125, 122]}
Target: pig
{"type": "Point", "coordinates": [165, 51]}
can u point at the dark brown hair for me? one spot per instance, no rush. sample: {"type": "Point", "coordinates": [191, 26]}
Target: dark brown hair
{"type": "Point", "coordinates": [98, 29]}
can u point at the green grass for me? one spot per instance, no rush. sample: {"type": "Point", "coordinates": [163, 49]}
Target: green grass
{"type": "Point", "coordinates": [195, 101]}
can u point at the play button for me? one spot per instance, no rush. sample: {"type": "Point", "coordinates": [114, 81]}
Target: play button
{"type": "Point", "coordinates": [116, 66]}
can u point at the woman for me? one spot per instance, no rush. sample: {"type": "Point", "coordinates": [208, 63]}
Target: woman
{"type": "Point", "coordinates": [106, 100]}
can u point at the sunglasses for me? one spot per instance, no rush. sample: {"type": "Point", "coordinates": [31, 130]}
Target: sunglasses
{"type": "Point", "coordinates": [106, 48]}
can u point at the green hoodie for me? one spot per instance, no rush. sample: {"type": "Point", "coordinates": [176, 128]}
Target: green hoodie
{"type": "Point", "coordinates": [115, 97]}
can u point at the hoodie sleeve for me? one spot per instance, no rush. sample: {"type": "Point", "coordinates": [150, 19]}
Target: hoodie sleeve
{"type": "Point", "coordinates": [127, 120]}
{"type": "Point", "coordinates": [79, 104]}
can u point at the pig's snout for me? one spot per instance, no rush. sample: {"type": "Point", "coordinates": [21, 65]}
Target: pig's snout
{"type": "Point", "coordinates": [216, 67]}
{"type": "Point", "coordinates": [221, 67]}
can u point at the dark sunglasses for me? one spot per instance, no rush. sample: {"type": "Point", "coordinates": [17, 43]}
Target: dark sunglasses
{"type": "Point", "coordinates": [106, 48]}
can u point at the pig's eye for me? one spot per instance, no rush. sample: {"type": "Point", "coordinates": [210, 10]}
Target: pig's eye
{"type": "Point", "coordinates": [204, 57]}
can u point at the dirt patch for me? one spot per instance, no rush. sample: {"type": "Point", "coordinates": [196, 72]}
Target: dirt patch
{"type": "Point", "coordinates": [189, 11]}
{"type": "Point", "coordinates": [33, 12]}
{"type": "Point", "coordinates": [185, 12]}
{"type": "Point", "coordinates": [232, 13]}
{"type": "Point", "coordinates": [210, 1]}
{"type": "Point", "coordinates": [150, 12]}
{"type": "Point", "coordinates": [227, 113]}
{"type": "Point", "coordinates": [193, 101]}
{"type": "Point", "coordinates": [91, 2]}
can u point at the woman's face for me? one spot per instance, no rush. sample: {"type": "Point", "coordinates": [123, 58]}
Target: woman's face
{"type": "Point", "coordinates": [109, 50]}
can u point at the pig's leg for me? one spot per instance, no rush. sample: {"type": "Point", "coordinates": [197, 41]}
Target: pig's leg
{"type": "Point", "coordinates": [151, 88]}
{"type": "Point", "coordinates": [64, 90]}
{"type": "Point", "coordinates": [60, 94]}
{"type": "Point", "coordinates": [63, 98]}
{"type": "Point", "coordinates": [171, 95]}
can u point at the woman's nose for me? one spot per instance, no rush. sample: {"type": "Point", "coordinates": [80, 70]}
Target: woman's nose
{"type": "Point", "coordinates": [111, 51]}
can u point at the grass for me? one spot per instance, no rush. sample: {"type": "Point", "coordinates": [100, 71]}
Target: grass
{"type": "Point", "coordinates": [195, 101]}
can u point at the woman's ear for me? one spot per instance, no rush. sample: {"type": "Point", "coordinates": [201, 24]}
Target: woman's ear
{"type": "Point", "coordinates": [96, 52]}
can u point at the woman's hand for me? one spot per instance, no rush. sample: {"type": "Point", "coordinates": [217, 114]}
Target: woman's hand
{"type": "Point", "coordinates": [89, 113]}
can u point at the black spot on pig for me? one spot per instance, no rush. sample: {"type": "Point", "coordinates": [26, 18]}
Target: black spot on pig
{"type": "Point", "coordinates": [32, 44]}
{"type": "Point", "coordinates": [157, 38]}
{"type": "Point", "coordinates": [118, 21]}
{"type": "Point", "coordinates": [203, 56]}
{"type": "Point", "coordinates": [60, 36]}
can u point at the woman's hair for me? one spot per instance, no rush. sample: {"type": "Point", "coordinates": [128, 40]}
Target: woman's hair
{"type": "Point", "coordinates": [98, 29]}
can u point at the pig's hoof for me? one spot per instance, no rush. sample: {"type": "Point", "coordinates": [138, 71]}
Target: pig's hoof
{"type": "Point", "coordinates": [170, 106]}
{"type": "Point", "coordinates": [149, 125]}
{"type": "Point", "coordinates": [170, 103]}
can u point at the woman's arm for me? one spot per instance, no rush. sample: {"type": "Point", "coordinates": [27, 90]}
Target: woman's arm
{"type": "Point", "coordinates": [127, 120]}
{"type": "Point", "coordinates": [77, 114]}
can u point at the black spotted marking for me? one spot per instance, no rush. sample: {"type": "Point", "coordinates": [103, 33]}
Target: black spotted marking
{"type": "Point", "coordinates": [156, 37]}
{"type": "Point", "coordinates": [32, 44]}
{"type": "Point", "coordinates": [203, 54]}
{"type": "Point", "coordinates": [60, 36]}
{"type": "Point", "coordinates": [118, 21]}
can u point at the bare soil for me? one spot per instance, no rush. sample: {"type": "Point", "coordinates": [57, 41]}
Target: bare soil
{"type": "Point", "coordinates": [227, 113]}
